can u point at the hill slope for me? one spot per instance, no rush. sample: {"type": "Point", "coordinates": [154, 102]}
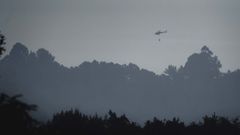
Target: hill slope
{"type": "Point", "coordinates": [188, 92]}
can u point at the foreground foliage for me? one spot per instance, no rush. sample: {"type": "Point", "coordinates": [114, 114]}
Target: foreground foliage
{"type": "Point", "coordinates": [15, 118]}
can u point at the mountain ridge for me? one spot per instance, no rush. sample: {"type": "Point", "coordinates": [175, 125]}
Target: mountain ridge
{"type": "Point", "coordinates": [192, 90]}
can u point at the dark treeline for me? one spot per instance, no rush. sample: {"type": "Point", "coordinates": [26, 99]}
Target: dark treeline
{"type": "Point", "coordinates": [15, 118]}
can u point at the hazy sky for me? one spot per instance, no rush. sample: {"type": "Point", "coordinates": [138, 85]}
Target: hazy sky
{"type": "Point", "coordinates": [122, 31]}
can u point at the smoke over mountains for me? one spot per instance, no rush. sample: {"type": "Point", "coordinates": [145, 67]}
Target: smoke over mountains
{"type": "Point", "coordinates": [188, 92]}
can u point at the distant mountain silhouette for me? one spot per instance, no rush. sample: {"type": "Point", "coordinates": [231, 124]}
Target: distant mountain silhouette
{"type": "Point", "coordinates": [188, 92]}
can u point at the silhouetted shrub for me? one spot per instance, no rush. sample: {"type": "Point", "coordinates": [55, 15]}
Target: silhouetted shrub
{"type": "Point", "coordinates": [15, 115]}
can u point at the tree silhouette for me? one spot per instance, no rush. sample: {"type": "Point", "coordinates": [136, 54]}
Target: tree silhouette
{"type": "Point", "coordinates": [203, 65]}
{"type": "Point", "coordinates": [171, 71]}
{"type": "Point", "coordinates": [44, 56]}
{"type": "Point", "coordinates": [2, 42]}
{"type": "Point", "coordinates": [15, 115]}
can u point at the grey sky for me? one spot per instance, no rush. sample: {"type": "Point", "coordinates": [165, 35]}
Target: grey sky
{"type": "Point", "coordinates": [122, 31]}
